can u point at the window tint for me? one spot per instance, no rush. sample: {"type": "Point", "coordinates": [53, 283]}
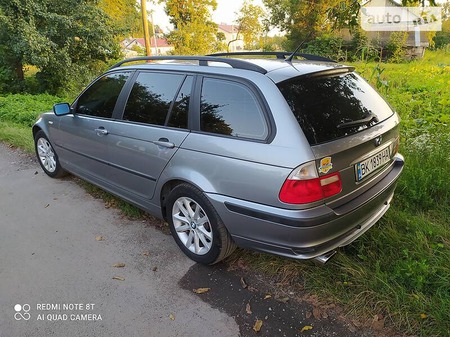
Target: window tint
{"type": "Point", "coordinates": [230, 108]}
{"type": "Point", "coordinates": [100, 98]}
{"type": "Point", "coordinates": [151, 96]}
{"type": "Point", "coordinates": [179, 115]}
{"type": "Point", "coordinates": [325, 107]}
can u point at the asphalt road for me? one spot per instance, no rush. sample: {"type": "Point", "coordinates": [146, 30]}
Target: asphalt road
{"type": "Point", "coordinates": [52, 266]}
{"type": "Point", "coordinates": [60, 252]}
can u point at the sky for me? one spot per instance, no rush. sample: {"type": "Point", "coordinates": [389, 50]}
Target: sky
{"type": "Point", "coordinates": [225, 12]}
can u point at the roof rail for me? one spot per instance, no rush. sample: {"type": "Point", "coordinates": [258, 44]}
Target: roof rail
{"type": "Point", "coordinates": [203, 61]}
{"type": "Point", "coordinates": [281, 55]}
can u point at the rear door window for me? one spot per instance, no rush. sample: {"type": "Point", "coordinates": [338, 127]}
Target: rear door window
{"type": "Point", "coordinates": [328, 108]}
{"type": "Point", "coordinates": [151, 98]}
{"type": "Point", "coordinates": [230, 108]}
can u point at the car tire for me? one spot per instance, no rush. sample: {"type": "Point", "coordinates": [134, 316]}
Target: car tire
{"type": "Point", "coordinates": [46, 156]}
{"type": "Point", "coordinates": [196, 226]}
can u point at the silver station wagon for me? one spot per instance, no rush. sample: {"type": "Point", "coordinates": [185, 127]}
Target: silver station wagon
{"type": "Point", "coordinates": [293, 155]}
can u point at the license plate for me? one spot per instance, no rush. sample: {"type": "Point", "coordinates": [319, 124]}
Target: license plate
{"type": "Point", "coordinates": [371, 164]}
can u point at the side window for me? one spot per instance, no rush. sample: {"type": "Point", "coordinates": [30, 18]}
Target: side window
{"type": "Point", "coordinates": [230, 108]}
{"type": "Point", "coordinates": [151, 97]}
{"type": "Point", "coordinates": [100, 98]}
{"type": "Point", "coordinates": [179, 115]}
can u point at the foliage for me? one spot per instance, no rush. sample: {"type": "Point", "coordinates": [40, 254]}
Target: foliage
{"type": "Point", "coordinates": [328, 46]}
{"type": "Point", "coordinates": [195, 32]}
{"type": "Point", "coordinates": [395, 47]}
{"type": "Point", "coordinates": [124, 15]}
{"type": "Point", "coordinates": [249, 24]}
{"type": "Point", "coordinates": [67, 40]}
{"type": "Point", "coordinates": [301, 21]}
{"type": "Point", "coordinates": [442, 38]}
{"type": "Point", "coordinates": [23, 109]}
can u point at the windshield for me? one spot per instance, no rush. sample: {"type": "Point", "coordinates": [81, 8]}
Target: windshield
{"type": "Point", "coordinates": [328, 108]}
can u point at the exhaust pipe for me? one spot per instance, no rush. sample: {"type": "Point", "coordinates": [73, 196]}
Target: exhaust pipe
{"type": "Point", "coordinates": [322, 259]}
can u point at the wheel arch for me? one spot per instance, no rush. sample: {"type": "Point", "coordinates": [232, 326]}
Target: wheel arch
{"type": "Point", "coordinates": [167, 187]}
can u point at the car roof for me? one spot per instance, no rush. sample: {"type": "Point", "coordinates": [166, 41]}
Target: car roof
{"type": "Point", "coordinates": [278, 70]}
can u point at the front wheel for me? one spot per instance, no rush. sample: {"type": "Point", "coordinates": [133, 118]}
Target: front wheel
{"type": "Point", "coordinates": [46, 156]}
{"type": "Point", "coordinates": [196, 226]}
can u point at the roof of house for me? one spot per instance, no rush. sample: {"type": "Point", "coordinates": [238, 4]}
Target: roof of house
{"type": "Point", "coordinates": [228, 28]}
{"type": "Point", "coordinates": [160, 43]}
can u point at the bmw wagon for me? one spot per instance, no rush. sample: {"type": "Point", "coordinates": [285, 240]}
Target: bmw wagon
{"type": "Point", "coordinates": [293, 155]}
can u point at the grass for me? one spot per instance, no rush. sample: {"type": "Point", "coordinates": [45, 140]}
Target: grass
{"type": "Point", "coordinates": [400, 269]}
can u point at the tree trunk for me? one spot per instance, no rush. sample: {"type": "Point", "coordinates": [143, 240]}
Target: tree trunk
{"type": "Point", "coordinates": [19, 71]}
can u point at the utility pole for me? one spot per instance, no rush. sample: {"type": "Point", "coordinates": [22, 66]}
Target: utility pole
{"type": "Point", "coordinates": [145, 25]}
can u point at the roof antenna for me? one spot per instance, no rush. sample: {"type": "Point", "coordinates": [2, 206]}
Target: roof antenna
{"type": "Point", "coordinates": [290, 57]}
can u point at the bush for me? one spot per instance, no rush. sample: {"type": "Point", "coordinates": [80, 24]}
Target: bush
{"type": "Point", "coordinates": [327, 46]}
{"type": "Point", "coordinates": [23, 109]}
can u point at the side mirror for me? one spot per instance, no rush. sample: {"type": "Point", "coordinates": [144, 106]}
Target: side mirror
{"type": "Point", "coordinates": [61, 109]}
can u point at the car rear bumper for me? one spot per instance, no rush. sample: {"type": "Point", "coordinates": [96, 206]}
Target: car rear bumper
{"type": "Point", "coordinates": [306, 234]}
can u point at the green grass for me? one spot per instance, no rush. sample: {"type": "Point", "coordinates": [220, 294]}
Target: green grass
{"type": "Point", "coordinates": [18, 113]}
{"type": "Point", "coordinates": [401, 267]}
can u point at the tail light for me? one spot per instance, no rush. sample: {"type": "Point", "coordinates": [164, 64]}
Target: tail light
{"type": "Point", "coordinates": [304, 185]}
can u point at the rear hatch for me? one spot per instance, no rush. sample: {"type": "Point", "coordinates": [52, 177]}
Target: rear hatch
{"type": "Point", "coordinates": [350, 127]}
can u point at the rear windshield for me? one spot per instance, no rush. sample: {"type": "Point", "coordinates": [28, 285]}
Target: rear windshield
{"type": "Point", "coordinates": [328, 108]}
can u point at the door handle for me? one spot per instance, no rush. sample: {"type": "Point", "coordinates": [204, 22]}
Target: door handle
{"type": "Point", "coordinates": [164, 142]}
{"type": "Point", "coordinates": [101, 131]}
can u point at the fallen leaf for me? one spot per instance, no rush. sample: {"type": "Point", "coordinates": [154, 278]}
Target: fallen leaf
{"type": "Point", "coordinates": [47, 205]}
{"type": "Point", "coordinates": [423, 316]}
{"type": "Point", "coordinates": [252, 289]}
{"type": "Point", "coordinates": [172, 317]}
{"type": "Point", "coordinates": [118, 265]}
{"type": "Point", "coordinates": [155, 268]}
{"type": "Point", "coordinates": [258, 325]}
{"type": "Point", "coordinates": [99, 238]}
{"type": "Point", "coordinates": [243, 283]}
{"type": "Point", "coordinates": [201, 290]}
{"type": "Point", "coordinates": [378, 322]}
{"type": "Point", "coordinates": [146, 253]}
{"type": "Point", "coordinates": [306, 328]}
{"type": "Point", "coordinates": [119, 278]}
{"type": "Point", "coordinates": [283, 299]}
{"type": "Point", "coordinates": [316, 313]}
{"type": "Point", "coordinates": [267, 296]}
{"type": "Point", "coordinates": [248, 309]}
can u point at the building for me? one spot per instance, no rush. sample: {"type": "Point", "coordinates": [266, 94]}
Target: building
{"type": "Point", "coordinates": [416, 41]}
{"type": "Point", "coordinates": [132, 47]}
{"type": "Point", "coordinates": [232, 39]}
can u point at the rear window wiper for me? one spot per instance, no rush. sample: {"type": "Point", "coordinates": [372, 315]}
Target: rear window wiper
{"type": "Point", "coordinates": [371, 117]}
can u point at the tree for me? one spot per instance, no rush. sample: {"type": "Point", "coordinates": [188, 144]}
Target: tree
{"type": "Point", "coordinates": [303, 20]}
{"type": "Point", "coordinates": [124, 15]}
{"type": "Point", "coordinates": [195, 32]}
{"type": "Point", "coordinates": [307, 19]}
{"type": "Point", "coordinates": [64, 39]}
{"type": "Point", "coordinates": [249, 23]}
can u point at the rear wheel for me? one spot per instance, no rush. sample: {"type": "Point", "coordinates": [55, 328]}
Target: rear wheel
{"type": "Point", "coordinates": [46, 156]}
{"type": "Point", "coordinates": [196, 226]}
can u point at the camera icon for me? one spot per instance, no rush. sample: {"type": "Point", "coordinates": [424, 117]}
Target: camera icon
{"type": "Point", "coordinates": [22, 312]}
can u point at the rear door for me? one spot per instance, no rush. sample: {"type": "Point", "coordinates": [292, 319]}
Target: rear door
{"type": "Point", "coordinates": [350, 127]}
{"type": "Point", "coordinates": [154, 124]}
